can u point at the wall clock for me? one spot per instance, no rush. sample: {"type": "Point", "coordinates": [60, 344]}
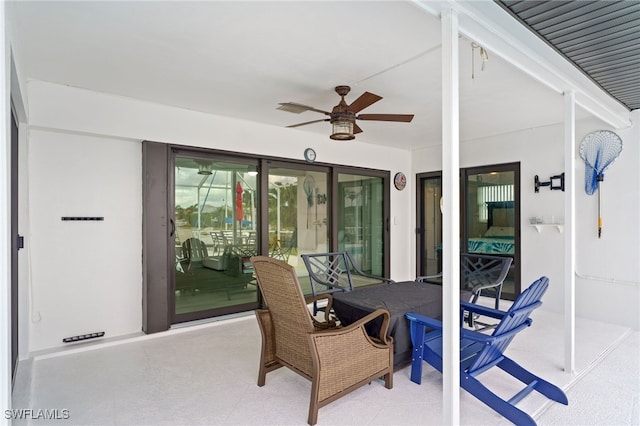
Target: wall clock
{"type": "Point", "coordinates": [309, 155]}
{"type": "Point", "coordinates": [400, 181]}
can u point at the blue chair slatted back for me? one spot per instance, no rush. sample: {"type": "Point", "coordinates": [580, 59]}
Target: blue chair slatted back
{"type": "Point", "coordinates": [515, 320]}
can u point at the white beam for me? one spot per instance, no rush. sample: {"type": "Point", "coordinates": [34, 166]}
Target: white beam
{"type": "Point", "coordinates": [488, 24]}
{"type": "Point", "coordinates": [450, 219]}
{"type": "Point", "coordinates": [569, 231]}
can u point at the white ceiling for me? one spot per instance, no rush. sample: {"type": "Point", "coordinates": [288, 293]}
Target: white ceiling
{"type": "Point", "coordinates": [239, 59]}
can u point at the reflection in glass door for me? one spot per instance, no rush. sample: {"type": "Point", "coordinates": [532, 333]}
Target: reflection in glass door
{"type": "Point", "coordinates": [298, 216]}
{"type": "Point", "coordinates": [361, 222]}
{"type": "Point", "coordinates": [491, 224]}
{"type": "Point", "coordinates": [430, 228]}
{"type": "Point", "coordinates": [216, 232]}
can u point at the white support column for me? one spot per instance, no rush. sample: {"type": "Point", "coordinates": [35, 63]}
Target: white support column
{"type": "Point", "coordinates": [450, 219]}
{"type": "Point", "coordinates": [569, 230]}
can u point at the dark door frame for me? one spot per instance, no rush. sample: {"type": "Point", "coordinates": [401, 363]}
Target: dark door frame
{"type": "Point", "coordinates": [210, 156]}
{"type": "Point", "coordinates": [505, 167]}
{"type": "Point", "coordinates": [464, 172]}
{"type": "Point", "coordinates": [15, 246]}
{"type": "Point", "coordinates": [420, 212]}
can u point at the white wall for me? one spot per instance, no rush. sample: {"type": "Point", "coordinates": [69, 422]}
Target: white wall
{"type": "Point", "coordinates": [614, 257]}
{"type": "Point", "coordinates": [85, 159]}
{"type": "Point", "coordinates": [85, 276]}
{"type": "Point", "coordinates": [607, 284]}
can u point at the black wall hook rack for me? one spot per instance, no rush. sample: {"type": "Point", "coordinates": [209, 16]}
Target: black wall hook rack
{"type": "Point", "coordinates": [555, 182]}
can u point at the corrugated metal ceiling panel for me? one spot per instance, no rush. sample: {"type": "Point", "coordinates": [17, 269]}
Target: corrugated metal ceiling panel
{"type": "Point", "coordinates": [602, 38]}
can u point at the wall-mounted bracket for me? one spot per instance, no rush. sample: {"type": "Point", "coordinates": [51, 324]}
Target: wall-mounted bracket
{"type": "Point", "coordinates": [555, 182]}
{"type": "Point", "coordinates": [82, 218]}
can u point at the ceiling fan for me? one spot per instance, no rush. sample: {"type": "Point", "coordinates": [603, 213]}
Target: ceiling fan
{"type": "Point", "coordinates": [343, 117]}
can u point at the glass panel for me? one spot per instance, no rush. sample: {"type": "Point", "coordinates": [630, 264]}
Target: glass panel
{"type": "Point", "coordinates": [361, 223]}
{"type": "Point", "coordinates": [298, 217]}
{"type": "Point", "coordinates": [431, 226]}
{"type": "Point", "coordinates": [216, 223]}
{"type": "Point", "coordinates": [490, 213]}
{"type": "Point", "coordinates": [490, 217]}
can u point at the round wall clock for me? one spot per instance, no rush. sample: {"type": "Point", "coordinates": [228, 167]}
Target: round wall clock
{"type": "Point", "coordinates": [309, 155]}
{"type": "Point", "coordinates": [400, 181]}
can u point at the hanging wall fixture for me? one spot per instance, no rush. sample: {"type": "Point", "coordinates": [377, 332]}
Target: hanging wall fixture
{"type": "Point", "coordinates": [555, 182]}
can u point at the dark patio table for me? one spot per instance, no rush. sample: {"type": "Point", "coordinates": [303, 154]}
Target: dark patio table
{"type": "Point", "coordinates": [398, 299]}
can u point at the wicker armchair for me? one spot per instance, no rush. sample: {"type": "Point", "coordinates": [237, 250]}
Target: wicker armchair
{"type": "Point", "coordinates": [292, 338]}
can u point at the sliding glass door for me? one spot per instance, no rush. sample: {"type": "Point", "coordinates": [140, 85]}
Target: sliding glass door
{"type": "Point", "coordinates": [361, 222]}
{"type": "Point", "coordinates": [430, 231]}
{"type": "Point", "coordinates": [298, 215]}
{"type": "Point", "coordinates": [207, 212]}
{"type": "Point", "coordinates": [216, 230]}
{"type": "Point", "coordinates": [490, 219]}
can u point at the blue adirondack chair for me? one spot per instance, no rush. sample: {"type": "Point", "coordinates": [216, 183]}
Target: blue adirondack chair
{"type": "Point", "coordinates": [479, 352]}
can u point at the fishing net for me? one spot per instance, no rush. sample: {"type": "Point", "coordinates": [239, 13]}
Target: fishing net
{"type": "Point", "coordinates": [598, 150]}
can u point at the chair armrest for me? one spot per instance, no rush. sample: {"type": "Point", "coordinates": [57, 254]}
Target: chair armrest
{"type": "Point", "coordinates": [478, 288]}
{"type": "Point", "coordinates": [476, 336]}
{"type": "Point", "coordinates": [437, 325]}
{"type": "Point", "coordinates": [423, 278]}
{"type": "Point", "coordinates": [482, 310]}
{"type": "Point", "coordinates": [329, 320]}
{"type": "Point", "coordinates": [359, 272]}
{"type": "Point", "coordinates": [311, 299]}
{"type": "Point", "coordinates": [424, 320]}
{"type": "Point", "coordinates": [383, 279]}
{"type": "Point", "coordinates": [384, 328]}
{"type": "Point", "coordinates": [347, 356]}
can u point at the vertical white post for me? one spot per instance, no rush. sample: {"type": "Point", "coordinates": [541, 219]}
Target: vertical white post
{"type": "Point", "coordinates": [569, 230]}
{"type": "Point", "coordinates": [450, 219]}
{"type": "Point", "coordinates": [5, 227]}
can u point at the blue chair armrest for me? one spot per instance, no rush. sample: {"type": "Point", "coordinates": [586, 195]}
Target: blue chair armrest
{"type": "Point", "coordinates": [476, 336]}
{"type": "Point", "coordinates": [424, 320]}
{"type": "Point", "coordinates": [437, 324]}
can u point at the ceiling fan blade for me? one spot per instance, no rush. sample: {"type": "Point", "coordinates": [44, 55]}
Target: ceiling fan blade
{"type": "Point", "coordinates": [405, 118]}
{"type": "Point", "coordinates": [363, 101]}
{"type": "Point", "coordinates": [356, 129]}
{"type": "Point", "coordinates": [298, 108]}
{"type": "Point", "coordinates": [308, 122]}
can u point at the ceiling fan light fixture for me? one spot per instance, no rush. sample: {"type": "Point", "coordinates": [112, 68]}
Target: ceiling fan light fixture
{"type": "Point", "coordinates": [342, 130]}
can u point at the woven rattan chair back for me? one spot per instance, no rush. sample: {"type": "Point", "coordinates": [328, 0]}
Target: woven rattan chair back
{"type": "Point", "coordinates": [289, 313]}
